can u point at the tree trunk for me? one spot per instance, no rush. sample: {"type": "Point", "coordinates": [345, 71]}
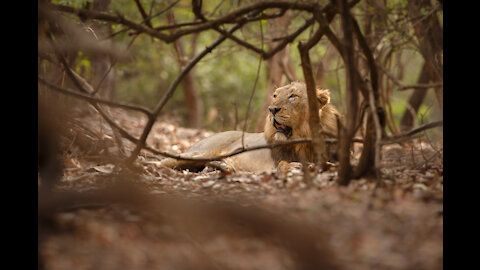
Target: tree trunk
{"type": "Point", "coordinates": [345, 168]}
{"type": "Point", "coordinates": [430, 38]}
{"type": "Point", "coordinates": [416, 99]}
{"type": "Point", "coordinates": [192, 100]}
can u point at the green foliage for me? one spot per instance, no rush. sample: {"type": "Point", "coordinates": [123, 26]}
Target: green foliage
{"type": "Point", "coordinates": [83, 65]}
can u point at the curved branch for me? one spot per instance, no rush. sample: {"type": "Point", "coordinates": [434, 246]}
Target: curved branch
{"type": "Point", "coordinates": [406, 135]}
{"type": "Point", "coordinates": [236, 152]}
{"type": "Point", "coordinates": [92, 14]}
{"type": "Point", "coordinates": [94, 99]}
{"type": "Point", "coordinates": [421, 85]}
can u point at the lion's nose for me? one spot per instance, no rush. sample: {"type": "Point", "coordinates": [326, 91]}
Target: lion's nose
{"type": "Point", "coordinates": [273, 110]}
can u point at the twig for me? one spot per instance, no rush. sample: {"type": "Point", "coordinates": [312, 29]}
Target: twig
{"type": "Point", "coordinates": [177, 25]}
{"type": "Point", "coordinates": [147, 18]}
{"type": "Point", "coordinates": [95, 99]}
{"type": "Point", "coordinates": [288, 39]}
{"type": "Point", "coordinates": [430, 158]}
{"type": "Point", "coordinates": [85, 87]}
{"type": "Point", "coordinates": [406, 135]}
{"type": "Point", "coordinates": [143, 13]}
{"type": "Point", "coordinates": [233, 17]}
{"type": "Point", "coordinates": [422, 85]}
{"type": "Point", "coordinates": [111, 18]}
{"type": "Point", "coordinates": [112, 64]}
{"type": "Point", "coordinates": [253, 89]}
{"type": "Point", "coordinates": [240, 42]}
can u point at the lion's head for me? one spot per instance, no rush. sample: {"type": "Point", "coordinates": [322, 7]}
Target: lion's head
{"type": "Point", "coordinates": [288, 119]}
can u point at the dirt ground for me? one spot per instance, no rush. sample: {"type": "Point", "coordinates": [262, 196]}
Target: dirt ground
{"type": "Point", "coordinates": [397, 224]}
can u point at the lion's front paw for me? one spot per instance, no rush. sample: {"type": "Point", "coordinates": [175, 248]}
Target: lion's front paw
{"type": "Point", "coordinates": [285, 167]}
{"type": "Point", "coordinates": [222, 166]}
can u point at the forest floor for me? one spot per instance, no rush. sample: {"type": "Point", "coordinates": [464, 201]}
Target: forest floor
{"type": "Point", "coordinates": [395, 225]}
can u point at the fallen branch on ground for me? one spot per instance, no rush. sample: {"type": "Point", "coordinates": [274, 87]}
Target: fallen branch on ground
{"type": "Point", "coordinates": [421, 85]}
{"type": "Point", "coordinates": [409, 134]}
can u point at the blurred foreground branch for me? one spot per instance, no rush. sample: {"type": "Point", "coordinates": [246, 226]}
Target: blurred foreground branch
{"type": "Point", "coordinates": [200, 218]}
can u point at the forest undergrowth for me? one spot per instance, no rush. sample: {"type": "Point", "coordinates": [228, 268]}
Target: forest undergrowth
{"type": "Point", "coordinates": [395, 222]}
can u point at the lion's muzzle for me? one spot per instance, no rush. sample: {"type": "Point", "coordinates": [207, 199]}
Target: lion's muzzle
{"type": "Point", "coordinates": [285, 130]}
{"type": "Point", "coordinates": [273, 110]}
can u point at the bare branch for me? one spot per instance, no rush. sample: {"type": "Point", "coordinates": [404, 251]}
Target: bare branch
{"type": "Point", "coordinates": [240, 42]}
{"type": "Point", "coordinates": [288, 39]}
{"type": "Point", "coordinates": [92, 14]}
{"type": "Point", "coordinates": [241, 12]}
{"type": "Point", "coordinates": [233, 17]}
{"type": "Point", "coordinates": [422, 85]}
{"type": "Point", "coordinates": [94, 99]}
{"type": "Point", "coordinates": [143, 13]}
{"type": "Point", "coordinates": [408, 134]}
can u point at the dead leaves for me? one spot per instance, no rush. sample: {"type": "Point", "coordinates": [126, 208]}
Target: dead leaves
{"type": "Point", "coordinates": [396, 223]}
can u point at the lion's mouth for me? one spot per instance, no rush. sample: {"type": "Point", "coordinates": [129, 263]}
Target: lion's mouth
{"type": "Point", "coordinates": [286, 130]}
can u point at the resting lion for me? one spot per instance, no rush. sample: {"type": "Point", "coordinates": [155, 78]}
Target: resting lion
{"type": "Point", "coordinates": [287, 120]}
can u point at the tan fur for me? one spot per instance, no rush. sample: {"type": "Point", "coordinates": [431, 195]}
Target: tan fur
{"type": "Point", "coordinates": [293, 112]}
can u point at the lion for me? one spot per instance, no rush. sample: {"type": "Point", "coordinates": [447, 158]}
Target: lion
{"type": "Point", "coordinates": [287, 120]}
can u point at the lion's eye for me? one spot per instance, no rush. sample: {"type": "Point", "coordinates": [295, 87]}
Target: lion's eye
{"type": "Point", "coordinates": [274, 96]}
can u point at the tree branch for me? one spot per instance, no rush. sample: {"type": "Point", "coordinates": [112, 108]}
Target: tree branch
{"type": "Point", "coordinates": [422, 85]}
{"type": "Point", "coordinates": [94, 99]}
{"type": "Point", "coordinates": [143, 13]}
{"type": "Point", "coordinates": [92, 14]}
{"type": "Point", "coordinates": [406, 135]}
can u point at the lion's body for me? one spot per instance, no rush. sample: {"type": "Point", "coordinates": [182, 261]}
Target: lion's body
{"type": "Point", "coordinates": [224, 143]}
{"type": "Point", "coordinates": [288, 121]}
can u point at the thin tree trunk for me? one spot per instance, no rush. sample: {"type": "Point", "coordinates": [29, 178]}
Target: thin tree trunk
{"type": "Point", "coordinates": [430, 38]}
{"type": "Point", "coordinates": [345, 168]}
{"type": "Point", "coordinates": [416, 99]}
{"type": "Point", "coordinates": [192, 99]}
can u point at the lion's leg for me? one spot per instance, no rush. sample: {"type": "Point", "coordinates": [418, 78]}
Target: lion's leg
{"type": "Point", "coordinates": [196, 165]}
{"type": "Point", "coordinates": [222, 166]}
{"type": "Point", "coordinates": [182, 164]}
{"type": "Point", "coordinates": [285, 167]}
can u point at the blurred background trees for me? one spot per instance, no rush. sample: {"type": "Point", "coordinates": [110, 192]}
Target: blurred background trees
{"type": "Point", "coordinates": [405, 37]}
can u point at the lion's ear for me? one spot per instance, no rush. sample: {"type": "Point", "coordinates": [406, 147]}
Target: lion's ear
{"type": "Point", "coordinates": [323, 96]}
